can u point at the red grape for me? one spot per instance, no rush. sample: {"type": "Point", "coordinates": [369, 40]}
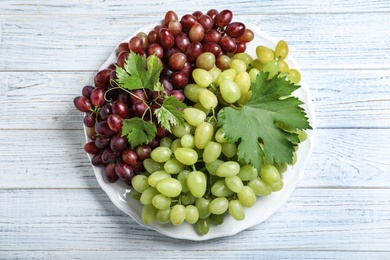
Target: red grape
{"type": "Point", "coordinates": [82, 103]}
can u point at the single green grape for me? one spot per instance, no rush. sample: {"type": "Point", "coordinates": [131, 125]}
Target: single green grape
{"type": "Point", "coordinates": [157, 176]}
{"type": "Point", "coordinates": [264, 54]}
{"type": "Point", "coordinates": [187, 141]}
{"type": "Point", "coordinates": [186, 156]}
{"type": "Point", "coordinates": [230, 92]}
{"type": "Point", "coordinates": [192, 214]}
{"type": "Point", "coordinates": [161, 201]}
{"type": "Point", "coordinates": [220, 189]}
{"type": "Point", "coordinates": [202, 204]}
{"type": "Point", "coordinates": [229, 168]}
{"type": "Point", "coordinates": [247, 197]}
{"type": "Point", "coordinates": [281, 50]}
{"type": "Point", "coordinates": [203, 226]}
{"type": "Point", "coordinates": [197, 183]}
{"type": "Point", "coordinates": [194, 116]}
{"type": "Point", "coordinates": [161, 154]}
{"type": "Point", "coordinates": [173, 166]}
{"type": "Point", "coordinates": [219, 205]}
{"type": "Point", "coordinates": [147, 196]}
{"type": "Point", "coordinates": [247, 172]}
{"type": "Point", "coordinates": [204, 132]}
{"type": "Point", "coordinates": [162, 216]}
{"type": "Point", "coordinates": [208, 99]}
{"type": "Point", "coordinates": [212, 151]}
{"type": "Point", "coordinates": [234, 183]}
{"type": "Point", "coordinates": [260, 187]}
{"type": "Point", "coordinates": [202, 77]}
{"type": "Point", "coordinates": [236, 210]}
{"type": "Point", "coordinates": [151, 166]}
{"type": "Point", "coordinates": [140, 183]}
{"type": "Point", "coordinates": [148, 214]}
{"type": "Point", "coordinates": [170, 187]}
{"type": "Point", "coordinates": [177, 214]}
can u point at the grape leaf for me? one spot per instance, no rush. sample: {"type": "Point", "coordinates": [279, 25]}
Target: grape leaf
{"type": "Point", "coordinates": [256, 125]}
{"type": "Point", "coordinates": [169, 113]}
{"type": "Point", "coordinates": [139, 72]}
{"type": "Point", "coordinates": [138, 131]}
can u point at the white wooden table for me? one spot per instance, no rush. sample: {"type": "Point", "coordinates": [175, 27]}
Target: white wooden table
{"type": "Point", "coordinates": [51, 206]}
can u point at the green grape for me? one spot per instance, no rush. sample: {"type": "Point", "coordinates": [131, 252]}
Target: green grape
{"type": "Point", "coordinates": [203, 226]}
{"type": "Point", "coordinates": [182, 177]}
{"type": "Point", "coordinates": [277, 186]}
{"type": "Point", "coordinates": [199, 106]}
{"type": "Point", "coordinates": [269, 173]}
{"type": "Point", "coordinates": [243, 81]}
{"type": "Point", "coordinates": [294, 159]}
{"type": "Point", "coordinates": [140, 183]}
{"type": "Point", "coordinates": [238, 65]}
{"type": "Point", "coordinates": [229, 168]}
{"type": "Point", "coordinates": [236, 210]}
{"type": "Point", "coordinates": [247, 173]}
{"type": "Point", "coordinates": [302, 135]}
{"type": "Point", "coordinates": [253, 73]}
{"type": "Point", "coordinates": [229, 90]}
{"type": "Point", "coordinates": [219, 206]}
{"type": "Point", "coordinates": [282, 168]}
{"type": "Point", "coordinates": [151, 166]}
{"type": "Point", "coordinates": [229, 149]}
{"type": "Point", "coordinates": [245, 57]}
{"type": "Point", "coordinates": [220, 136]}
{"type": "Point", "coordinates": [283, 66]}
{"type": "Point", "coordinates": [202, 204]}
{"type": "Point", "coordinates": [264, 54]}
{"type": "Point", "coordinates": [191, 91]}
{"type": "Point", "coordinates": [197, 183]}
{"type": "Point", "coordinates": [216, 219]}
{"type": "Point", "coordinates": [192, 214]}
{"type": "Point", "coordinates": [186, 156]}
{"type": "Point", "coordinates": [180, 130]}
{"type": "Point", "coordinates": [175, 144]}
{"type": "Point", "coordinates": [194, 116]}
{"type": "Point", "coordinates": [166, 141]}
{"type": "Point", "coordinates": [147, 196]}
{"type": "Point", "coordinates": [205, 61]}
{"type": "Point", "coordinates": [281, 50]}
{"type": "Point", "coordinates": [162, 216]}
{"type": "Point", "coordinates": [245, 98]}
{"type": "Point", "coordinates": [208, 99]}
{"type": "Point", "coordinates": [170, 187]}
{"type": "Point", "coordinates": [173, 166]}
{"type": "Point", "coordinates": [187, 141]}
{"type": "Point", "coordinates": [247, 197]}
{"type": "Point", "coordinates": [148, 214]}
{"type": "Point", "coordinates": [213, 166]}
{"type": "Point", "coordinates": [157, 176]}
{"type": "Point", "coordinates": [187, 198]}
{"type": "Point", "coordinates": [161, 154]}
{"type": "Point", "coordinates": [135, 195]}
{"type": "Point", "coordinates": [220, 189]}
{"type": "Point", "coordinates": [203, 134]}
{"type": "Point", "coordinates": [202, 77]}
{"type": "Point", "coordinates": [215, 72]}
{"type": "Point", "coordinates": [178, 214]}
{"type": "Point", "coordinates": [212, 151]}
{"type": "Point", "coordinates": [161, 201]}
{"type": "Point", "coordinates": [294, 75]}
{"type": "Point", "coordinates": [234, 183]}
{"type": "Point", "coordinates": [271, 67]}
{"type": "Point", "coordinates": [260, 187]}
{"type": "Point", "coordinates": [227, 74]}
{"type": "Point", "coordinates": [258, 65]}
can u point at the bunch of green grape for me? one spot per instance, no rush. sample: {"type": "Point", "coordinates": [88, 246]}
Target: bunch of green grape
{"type": "Point", "coordinates": [194, 175]}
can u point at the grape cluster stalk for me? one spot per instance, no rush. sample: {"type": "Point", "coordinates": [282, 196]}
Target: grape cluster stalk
{"type": "Point", "coordinates": [191, 174]}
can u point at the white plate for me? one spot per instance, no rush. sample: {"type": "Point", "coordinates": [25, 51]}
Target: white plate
{"type": "Point", "coordinates": [264, 207]}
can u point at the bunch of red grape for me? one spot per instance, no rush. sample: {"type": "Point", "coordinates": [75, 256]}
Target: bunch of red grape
{"type": "Point", "coordinates": [179, 44]}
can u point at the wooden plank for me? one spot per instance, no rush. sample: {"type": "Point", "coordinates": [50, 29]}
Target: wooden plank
{"type": "Point", "coordinates": [85, 42]}
{"type": "Point", "coordinates": [203, 254]}
{"type": "Point", "coordinates": [86, 220]}
{"type": "Point", "coordinates": [341, 98]}
{"type": "Point", "coordinates": [249, 7]}
{"type": "Point", "coordinates": [56, 159]}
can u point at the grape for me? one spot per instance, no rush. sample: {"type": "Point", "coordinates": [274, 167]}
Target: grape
{"type": "Point", "coordinates": [155, 49]}
{"type": "Point", "coordinates": [162, 216]}
{"type": "Point", "coordinates": [220, 189]}
{"type": "Point", "coordinates": [212, 48]}
{"type": "Point", "coordinates": [123, 47]}
{"type": "Point", "coordinates": [271, 67]}
{"type": "Point", "coordinates": [222, 62]}
{"type": "Point", "coordinates": [121, 109]}
{"type": "Point", "coordinates": [124, 171]}
{"type": "Point", "coordinates": [212, 13]}
{"type": "Point", "coordinates": [197, 183]}
{"type": "Point", "coordinates": [102, 141]}
{"type": "Point", "coordinates": [129, 156]}
{"type": "Point", "coordinates": [223, 18]}
{"type": "Point", "coordinates": [169, 17]}
{"type": "Point", "coordinates": [208, 99]}
{"type": "Point", "coordinates": [102, 79]}
{"type": "Point", "coordinates": [228, 44]}
{"type": "Point", "coordinates": [243, 81]}
{"type": "Point", "coordinates": [136, 44]}
{"type": "Point", "coordinates": [82, 103]}
{"type": "Point", "coordinates": [236, 210]}
{"type": "Point", "coordinates": [173, 166]}
{"type": "Point", "coordinates": [247, 197]}
{"type": "Point", "coordinates": [140, 183]}
{"type": "Point", "coordinates": [110, 174]}
{"type": "Point", "coordinates": [148, 214]}
{"type": "Point", "coordinates": [247, 173]}
{"type": "Point", "coordinates": [229, 90]}
{"type": "Point", "coordinates": [103, 129]}
{"type": "Point", "coordinates": [186, 156]}
{"type": "Point", "coordinates": [177, 214]}
{"type": "Point", "coordinates": [235, 29]}
{"type": "Point", "coordinates": [281, 50]}
{"type": "Point", "coordinates": [187, 21]}
{"type": "Point", "coordinates": [247, 36]}
{"type": "Point", "coordinates": [165, 38]}
{"type": "Point", "coordinates": [182, 178]}
{"type": "Point", "coordinates": [114, 122]}
{"type": "Point", "coordinates": [264, 54]}
{"type": "Point", "coordinates": [269, 173]}
{"type": "Point", "coordinates": [148, 194]}
{"type": "Point", "coordinates": [234, 183]}
{"type": "Point", "coordinates": [227, 74]}
{"type": "Point", "coordinates": [175, 144]}
{"type": "Point", "coordinates": [122, 56]}
{"type": "Point", "coordinates": [202, 77]}
{"type": "Point", "coordinates": [203, 226]}
{"type": "Point", "coordinates": [109, 156]}
{"type": "Point", "coordinates": [194, 116]}
{"type": "Point", "coordinates": [202, 204]}
{"type": "Point", "coordinates": [203, 134]}
{"type": "Point", "coordinates": [152, 166]}
{"type": "Point", "coordinates": [118, 142]}
{"type": "Point", "coordinates": [196, 32]}
{"type": "Point", "coordinates": [143, 151]}
{"type": "Point", "coordinates": [182, 41]}
{"type": "Point", "coordinates": [278, 185]}
{"type": "Point", "coordinates": [97, 160]}
{"type": "Point", "coordinates": [211, 152]}
{"type": "Point", "coordinates": [177, 61]}
{"type": "Point", "coordinates": [157, 176]}
{"type": "Point", "coordinates": [205, 61]}
{"type": "Point", "coordinates": [161, 201]}
{"type": "Point", "coordinates": [92, 148]}
{"type": "Point", "coordinates": [187, 141]}
{"type": "Point", "coordinates": [238, 65]}
{"type": "Point", "coordinates": [193, 50]}
{"type": "Point", "coordinates": [212, 36]}
{"type": "Point", "coordinates": [294, 75]}
{"type": "Point", "coordinates": [192, 91]}
{"type": "Point", "coordinates": [175, 27]}
{"type": "Point", "coordinates": [218, 206]}
{"type": "Point", "coordinates": [161, 154]}
{"type": "Point", "coordinates": [170, 187]}
{"type": "Point", "coordinates": [192, 214]}
{"type": "Point", "coordinates": [229, 168]}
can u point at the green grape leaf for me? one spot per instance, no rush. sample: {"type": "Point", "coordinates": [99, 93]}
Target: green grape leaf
{"type": "Point", "coordinates": [169, 113]}
{"type": "Point", "coordinates": [139, 72]}
{"type": "Point", "coordinates": [138, 131]}
{"type": "Point", "coordinates": [257, 125]}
